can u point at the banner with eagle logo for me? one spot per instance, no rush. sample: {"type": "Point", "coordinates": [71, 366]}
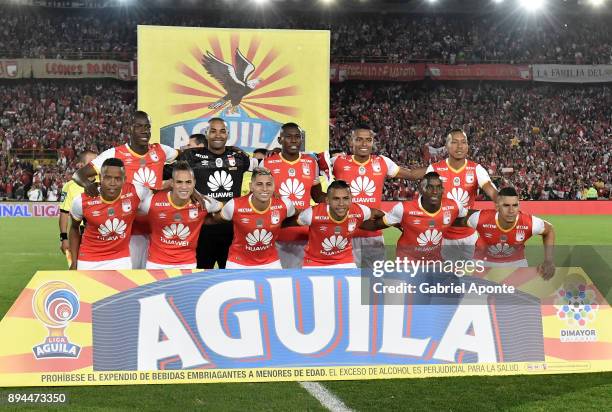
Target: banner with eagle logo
{"type": "Point", "coordinates": [254, 79]}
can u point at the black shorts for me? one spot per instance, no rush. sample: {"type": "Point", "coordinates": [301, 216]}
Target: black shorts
{"type": "Point", "coordinates": [213, 245]}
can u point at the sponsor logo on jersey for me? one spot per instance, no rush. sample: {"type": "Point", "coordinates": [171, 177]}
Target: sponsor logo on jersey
{"type": "Point", "coordinates": [501, 249]}
{"type": "Point", "coordinates": [459, 195]}
{"type": "Point", "coordinates": [429, 237]}
{"type": "Point", "coordinates": [362, 184]}
{"type": "Point", "coordinates": [257, 240]}
{"type": "Point", "coordinates": [220, 179]}
{"type": "Point", "coordinates": [333, 244]}
{"type": "Point", "coordinates": [176, 230]}
{"type": "Point", "coordinates": [145, 177]}
{"type": "Point", "coordinates": [112, 226]}
{"type": "Point", "coordinates": [292, 187]}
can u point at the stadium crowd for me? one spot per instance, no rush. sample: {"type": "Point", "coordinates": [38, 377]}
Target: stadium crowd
{"type": "Point", "coordinates": [61, 119]}
{"type": "Point", "coordinates": [552, 142]}
{"type": "Point", "coordinates": [444, 39]}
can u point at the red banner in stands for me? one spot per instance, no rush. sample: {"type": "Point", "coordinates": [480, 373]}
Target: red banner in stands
{"type": "Point", "coordinates": [479, 72]}
{"type": "Point", "coordinates": [537, 207]}
{"type": "Point", "coordinates": [377, 71]}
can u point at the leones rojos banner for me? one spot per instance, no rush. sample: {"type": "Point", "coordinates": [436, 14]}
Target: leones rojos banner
{"type": "Point", "coordinates": [255, 79]}
{"type": "Point", "coordinates": [142, 327]}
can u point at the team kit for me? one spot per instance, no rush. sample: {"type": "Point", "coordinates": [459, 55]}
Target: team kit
{"type": "Point", "coordinates": [146, 205]}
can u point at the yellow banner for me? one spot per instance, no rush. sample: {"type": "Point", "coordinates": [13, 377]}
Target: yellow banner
{"type": "Point", "coordinates": [255, 79]}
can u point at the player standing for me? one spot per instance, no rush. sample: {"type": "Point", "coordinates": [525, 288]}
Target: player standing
{"type": "Point", "coordinates": [110, 215]}
{"type": "Point", "coordinates": [144, 164]}
{"type": "Point", "coordinates": [70, 190]}
{"type": "Point", "coordinates": [175, 221]}
{"type": "Point", "coordinates": [257, 219]}
{"type": "Point", "coordinates": [461, 178]}
{"type": "Point", "coordinates": [296, 176]}
{"type": "Point", "coordinates": [366, 173]}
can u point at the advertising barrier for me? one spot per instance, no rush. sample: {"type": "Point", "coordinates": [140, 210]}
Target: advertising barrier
{"type": "Point", "coordinates": [143, 327]}
{"type": "Point", "coordinates": [478, 72]}
{"type": "Point", "coordinates": [29, 209]}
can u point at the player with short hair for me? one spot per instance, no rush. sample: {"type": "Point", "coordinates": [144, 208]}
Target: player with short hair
{"type": "Point", "coordinates": [256, 219]}
{"type": "Point", "coordinates": [110, 215]}
{"type": "Point", "coordinates": [296, 176]}
{"type": "Point", "coordinates": [144, 163]}
{"type": "Point", "coordinates": [175, 221]}
{"type": "Point", "coordinates": [423, 221]}
{"type": "Point", "coordinates": [218, 170]}
{"type": "Point", "coordinates": [504, 231]}
{"type": "Point", "coordinates": [331, 227]}
{"type": "Point", "coordinates": [196, 140]}
{"type": "Point", "coordinates": [366, 173]}
{"type": "Point", "coordinates": [70, 190]}
{"type": "Point", "coordinates": [462, 178]}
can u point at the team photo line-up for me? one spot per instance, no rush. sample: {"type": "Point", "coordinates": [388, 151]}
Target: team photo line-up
{"type": "Point", "coordinates": [147, 205]}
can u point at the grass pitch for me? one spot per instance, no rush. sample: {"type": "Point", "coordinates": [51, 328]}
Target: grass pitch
{"type": "Point", "coordinates": [28, 245]}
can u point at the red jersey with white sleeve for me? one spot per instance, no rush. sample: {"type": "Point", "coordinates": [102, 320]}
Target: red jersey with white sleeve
{"type": "Point", "coordinates": [366, 181]}
{"type": "Point", "coordinates": [461, 185]}
{"type": "Point", "coordinates": [421, 230]}
{"type": "Point", "coordinates": [174, 229]}
{"type": "Point", "coordinates": [255, 232]}
{"type": "Point", "coordinates": [499, 245]}
{"type": "Point", "coordinates": [294, 181]}
{"type": "Point", "coordinates": [109, 224]}
{"type": "Point", "coordinates": [146, 170]}
{"type": "Point", "coordinates": [329, 240]}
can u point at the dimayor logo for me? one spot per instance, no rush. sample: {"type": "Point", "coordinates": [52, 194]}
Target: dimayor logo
{"type": "Point", "coordinates": [244, 82]}
{"type": "Point", "coordinates": [576, 303]}
{"type": "Point", "coordinates": [55, 304]}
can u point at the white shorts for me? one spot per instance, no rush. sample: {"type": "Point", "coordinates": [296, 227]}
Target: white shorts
{"type": "Point", "coordinates": [514, 264]}
{"type": "Point", "coordinates": [291, 254]}
{"type": "Point", "coordinates": [273, 265]}
{"type": "Point", "coordinates": [113, 264]}
{"type": "Point", "coordinates": [139, 250]}
{"type": "Point", "coordinates": [459, 249]}
{"type": "Point", "coordinates": [337, 266]}
{"type": "Point", "coordinates": [368, 249]}
{"type": "Point", "coordinates": [153, 265]}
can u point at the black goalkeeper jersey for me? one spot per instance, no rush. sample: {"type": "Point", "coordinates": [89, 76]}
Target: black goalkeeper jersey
{"type": "Point", "coordinates": [218, 176]}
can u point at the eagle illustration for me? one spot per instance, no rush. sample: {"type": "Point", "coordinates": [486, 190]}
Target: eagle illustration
{"type": "Point", "coordinates": [232, 78]}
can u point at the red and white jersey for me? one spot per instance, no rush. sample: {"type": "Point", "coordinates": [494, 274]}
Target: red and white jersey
{"type": "Point", "coordinates": [255, 232]}
{"type": "Point", "coordinates": [503, 245]}
{"type": "Point", "coordinates": [146, 170]}
{"type": "Point", "coordinates": [461, 185]}
{"type": "Point", "coordinates": [174, 229]}
{"type": "Point", "coordinates": [422, 231]}
{"type": "Point", "coordinates": [329, 240]}
{"type": "Point", "coordinates": [294, 181]}
{"type": "Point", "coordinates": [366, 181]}
{"type": "Point", "coordinates": [109, 224]}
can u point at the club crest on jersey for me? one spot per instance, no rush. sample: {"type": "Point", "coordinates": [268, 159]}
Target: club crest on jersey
{"type": "Point", "coordinates": [456, 181]}
{"type": "Point", "coordinates": [376, 166]}
{"type": "Point", "coordinates": [154, 156]}
{"type": "Point", "coordinates": [275, 217]}
{"type": "Point", "coordinates": [469, 178]}
{"type": "Point", "coordinates": [520, 236]}
{"type": "Point", "coordinates": [193, 213]}
{"type": "Point", "coordinates": [231, 160]}
{"type": "Point", "coordinates": [291, 172]}
{"type": "Point", "coordinates": [447, 217]}
{"type": "Point", "coordinates": [352, 225]}
{"type": "Point", "coordinates": [305, 170]}
{"type": "Point", "coordinates": [126, 206]}
{"type": "Point", "coordinates": [362, 170]}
